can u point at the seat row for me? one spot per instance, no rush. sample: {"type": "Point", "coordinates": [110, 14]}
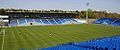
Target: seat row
{"type": "Point", "coordinates": [107, 43]}
{"type": "Point", "coordinates": [16, 22]}
{"type": "Point", "coordinates": [108, 21]}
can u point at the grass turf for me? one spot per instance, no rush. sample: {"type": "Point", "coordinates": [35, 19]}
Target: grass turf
{"type": "Point", "coordinates": [0, 42]}
{"type": "Point", "coordinates": [38, 36]}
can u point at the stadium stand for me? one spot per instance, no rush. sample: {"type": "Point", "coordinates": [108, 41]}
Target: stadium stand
{"type": "Point", "coordinates": [25, 22]}
{"type": "Point", "coordinates": [43, 18]}
{"type": "Point", "coordinates": [108, 21]}
{"type": "Point", "coordinates": [107, 43]}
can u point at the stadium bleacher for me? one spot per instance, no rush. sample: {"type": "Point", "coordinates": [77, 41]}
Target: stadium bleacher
{"type": "Point", "coordinates": [52, 21]}
{"type": "Point", "coordinates": [38, 20]}
{"type": "Point", "coordinates": [108, 21]}
{"type": "Point", "coordinates": [29, 20]}
{"type": "Point", "coordinates": [19, 22]}
{"type": "Point", "coordinates": [105, 21]}
{"type": "Point", "coordinates": [107, 43]}
{"type": "Point", "coordinates": [13, 22]}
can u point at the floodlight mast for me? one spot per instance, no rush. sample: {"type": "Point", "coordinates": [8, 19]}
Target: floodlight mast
{"type": "Point", "coordinates": [87, 4]}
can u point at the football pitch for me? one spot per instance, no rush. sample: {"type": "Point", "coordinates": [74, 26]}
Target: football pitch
{"type": "Point", "coordinates": [30, 37]}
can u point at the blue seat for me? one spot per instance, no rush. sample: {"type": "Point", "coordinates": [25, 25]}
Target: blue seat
{"type": "Point", "coordinates": [107, 43]}
{"type": "Point", "coordinates": [45, 21]}
{"type": "Point", "coordinates": [108, 21]}
{"type": "Point", "coordinates": [58, 21]}
{"type": "Point", "coordinates": [37, 20]}
{"type": "Point", "coordinates": [21, 21]}
{"type": "Point", "coordinates": [13, 23]}
{"type": "Point", "coordinates": [29, 20]}
{"type": "Point", "coordinates": [52, 21]}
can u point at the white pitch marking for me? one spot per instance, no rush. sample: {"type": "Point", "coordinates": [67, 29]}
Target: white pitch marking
{"type": "Point", "coordinates": [3, 39]}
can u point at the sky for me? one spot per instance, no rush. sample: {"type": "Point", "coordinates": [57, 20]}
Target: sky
{"type": "Point", "coordinates": [99, 5]}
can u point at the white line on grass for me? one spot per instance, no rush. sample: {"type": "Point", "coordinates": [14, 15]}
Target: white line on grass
{"type": "Point", "coordinates": [3, 39]}
{"type": "Point", "coordinates": [13, 34]}
{"type": "Point", "coordinates": [31, 33]}
{"type": "Point", "coordinates": [20, 37]}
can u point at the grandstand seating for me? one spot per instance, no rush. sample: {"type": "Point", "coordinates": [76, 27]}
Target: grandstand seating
{"type": "Point", "coordinates": [58, 21]}
{"type": "Point", "coordinates": [108, 21]}
{"type": "Point", "coordinates": [107, 43]}
{"type": "Point", "coordinates": [52, 21]}
{"type": "Point", "coordinates": [19, 22]}
{"type": "Point", "coordinates": [29, 20]}
{"type": "Point", "coordinates": [38, 20]}
{"type": "Point", "coordinates": [13, 22]}
{"type": "Point", "coordinates": [45, 21]}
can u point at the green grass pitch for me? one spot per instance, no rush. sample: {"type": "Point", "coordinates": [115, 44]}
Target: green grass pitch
{"type": "Point", "coordinates": [39, 36]}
